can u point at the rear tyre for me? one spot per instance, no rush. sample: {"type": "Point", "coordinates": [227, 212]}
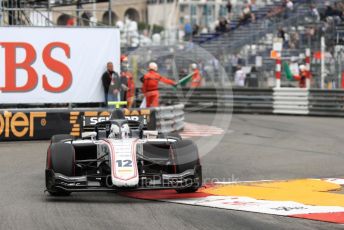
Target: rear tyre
{"type": "Point", "coordinates": [60, 159]}
{"type": "Point", "coordinates": [186, 158]}
{"type": "Point", "coordinates": [61, 137]}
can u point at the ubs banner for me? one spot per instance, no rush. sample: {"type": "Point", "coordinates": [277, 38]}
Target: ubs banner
{"type": "Point", "coordinates": [55, 65]}
{"type": "Point", "coordinates": [41, 125]}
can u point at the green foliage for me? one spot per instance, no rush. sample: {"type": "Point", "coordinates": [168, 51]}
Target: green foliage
{"type": "Point", "coordinates": [144, 26]}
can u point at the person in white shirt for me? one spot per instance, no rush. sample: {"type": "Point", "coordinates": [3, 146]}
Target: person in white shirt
{"type": "Point", "coordinates": [315, 13]}
{"type": "Point", "coordinates": [239, 77]}
{"type": "Point", "coordinates": [290, 5]}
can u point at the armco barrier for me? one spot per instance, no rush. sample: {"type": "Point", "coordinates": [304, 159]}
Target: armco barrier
{"type": "Point", "coordinates": [326, 102]}
{"type": "Point", "coordinates": [169, 118]}
{"type": "Point", "coordinates": [293, 101]}
{"type": "Point", "coordinates": [41, 124]}
{"type": "Point", "coordinates": [290, 101]}
{"type": "Point", "coordinates": [238, 100]}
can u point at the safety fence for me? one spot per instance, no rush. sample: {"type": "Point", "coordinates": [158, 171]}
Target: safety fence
{"type": "Point", "coordinates": [293, 101]}
{"type": "Point", "coordinates": [41, 124]}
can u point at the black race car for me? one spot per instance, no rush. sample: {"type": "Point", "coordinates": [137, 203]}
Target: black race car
{"type": "Point", "coordinates": [121, 155]}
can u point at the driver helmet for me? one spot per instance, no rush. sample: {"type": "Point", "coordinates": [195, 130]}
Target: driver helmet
{"type": "Point", "coordinates": [114, 131]}
{"type": "Point", "coordinates": [125, 129]}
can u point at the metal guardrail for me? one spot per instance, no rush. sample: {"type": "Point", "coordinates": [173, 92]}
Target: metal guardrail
{"type": "Point", "coordinates": [238, 100]}
{"type": "Point", "coordinates": [326, 102]}
{"type": "Point", "coordinates": [169, 118]}
{"type": "Point", "coordinates": [292, 101]}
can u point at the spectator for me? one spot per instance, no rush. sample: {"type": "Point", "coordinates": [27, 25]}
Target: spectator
{"type": "Point", "coordinates": [253, 6]}
{"type": "Point", "coordinates": [128, 84]}
{"type": "Point", "coordinates": [204, 30]}
{"type": "Point", "coordinates": [229, 7]}
{"type": "Point", "coordinates": [302, 76]}
{"type": "Point", "coordinates": [246, 15]}
{"type": "Point", "coordinates": [254, 9]}
{"type": "Point", "coordinates": [196, 80]}
{"type": "Point", "coordinates": [234, 62]}
{"type": "Point", "coordinates": [332, 12]}
{"type": "Point", "coordinates": [294, 39]}
{"type": "Point", "coordinates": [290, 5]}
{"type": "Point", "coordinates": [223, 25]}
{"type": "Point", "coordinates": [187, 31]}
{"type": "Point", "coordinates": [315, 13]}
{"type": "Point", "coordinates": [340, 6]}
{"type": "Point", "coordinates": [195, 30]}
{"type": "Point", "coordinates": [276, 11]}
{"type": "Point", "coordinates": [281, 34]}
{"type": "Point", "coordinates": [252, 78]}
{"type": "Point", "coordinates": [239, 77]}
{"type": "Point", "coordinates": [285, 37]}
{"type": "Point", "coordinates": [111, 84]}
{"type": "Point", "coordinates": [310, 32]}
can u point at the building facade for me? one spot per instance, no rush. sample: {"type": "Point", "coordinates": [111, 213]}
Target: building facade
{"type": "Point", "coordinates": [68, 12]}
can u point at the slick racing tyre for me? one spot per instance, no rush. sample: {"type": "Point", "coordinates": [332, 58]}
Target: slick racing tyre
{"type": "Point", "coordinates": [186, 158]}
{"type": "Point", "coordinates": [60, 159]}
{"type": "Point", "coordinates": [61, 137]}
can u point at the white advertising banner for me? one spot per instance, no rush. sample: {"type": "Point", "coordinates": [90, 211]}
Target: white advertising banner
{"type": "Point", "coordinates": [55, 65]}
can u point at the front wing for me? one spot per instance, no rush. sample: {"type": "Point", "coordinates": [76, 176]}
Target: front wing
{"type": "Point", "coordinates": [183, 180]}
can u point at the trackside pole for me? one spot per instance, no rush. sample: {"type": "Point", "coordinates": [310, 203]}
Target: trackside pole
{"type": "Point", "coordinates": [323, 47]}
{"type": "Point", "coordinates": [1, 14]}
{"type": "Point", "coordinates": [308, 68]}
{"type": "Point", "coordinates": [278, 71]}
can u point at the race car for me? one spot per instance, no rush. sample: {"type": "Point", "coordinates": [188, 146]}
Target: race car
{"type": "Point", "coordinates": [121, 155]}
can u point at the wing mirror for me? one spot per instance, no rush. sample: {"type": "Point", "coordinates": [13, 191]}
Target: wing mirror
{"type": "Point", "coordinates": [91, 135]}
{"type": "Point", "coordinates": [150, 134]}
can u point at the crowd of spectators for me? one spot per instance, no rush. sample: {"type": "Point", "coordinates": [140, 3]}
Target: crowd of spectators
{"type": "Point", "coordinates": [224, 24]}
{"type": "Point", "coordinates": [336, 11]}
{"type": "Point", "coordinates": [248, 15]}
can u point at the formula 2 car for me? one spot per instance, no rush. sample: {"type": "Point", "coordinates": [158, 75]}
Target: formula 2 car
{"type": "Point", "coordinates": [121, 155]}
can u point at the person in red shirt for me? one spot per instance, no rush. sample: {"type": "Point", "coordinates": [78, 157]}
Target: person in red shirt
{"type": "Point", "coordinates": [304, 74]}
{"type": "Point", "coordinates": [151, 83]}
{"type": "Point", "coordinates": [130, 83]}
{"type": "Point", "coordinates": [196, 80]}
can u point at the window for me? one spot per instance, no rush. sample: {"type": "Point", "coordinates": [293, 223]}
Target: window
{"type": "Point", "coordinates": [193, 10]}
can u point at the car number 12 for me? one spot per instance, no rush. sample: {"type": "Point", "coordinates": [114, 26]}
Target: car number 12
{"type": "Point", "coordinates": [124, 163]}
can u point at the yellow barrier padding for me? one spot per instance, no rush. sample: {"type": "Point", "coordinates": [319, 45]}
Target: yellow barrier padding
{"type": "Point", "coordinates": [305, 191]}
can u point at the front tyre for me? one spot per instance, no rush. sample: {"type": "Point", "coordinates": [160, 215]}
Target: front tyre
{"type": "Point", "coordinates": [61, 137]}
{"type": "Point", "coordinates": [187, 158]}
{"type": "Point", "coordinates": [60, 159]}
